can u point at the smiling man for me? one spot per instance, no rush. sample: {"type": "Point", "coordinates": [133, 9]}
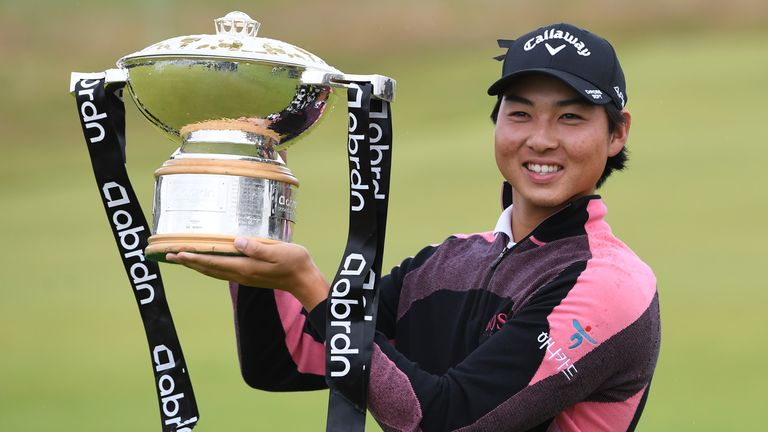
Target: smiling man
{"type": "Point", "coordinates": [552, 145]}
{"type": "Point", "coordinates": [547, 323]}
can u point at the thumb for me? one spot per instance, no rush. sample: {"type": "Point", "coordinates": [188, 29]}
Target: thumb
{"type": "Point", "coordinates": [250, 247]}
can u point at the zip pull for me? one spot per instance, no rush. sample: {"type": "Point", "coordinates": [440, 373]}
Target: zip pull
{"type": "Point", "coordinates": [501, 256]}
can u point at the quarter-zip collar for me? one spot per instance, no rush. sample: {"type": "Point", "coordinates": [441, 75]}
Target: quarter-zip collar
{"type": "Point", "coordinates": [566, 222]}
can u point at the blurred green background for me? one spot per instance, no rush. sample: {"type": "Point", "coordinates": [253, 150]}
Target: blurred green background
{"type": "Point", "coordinates": [693, 202]}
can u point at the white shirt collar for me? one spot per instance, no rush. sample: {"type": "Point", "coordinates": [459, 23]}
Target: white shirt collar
{"type": "Point", "coordinates": [504, 225]}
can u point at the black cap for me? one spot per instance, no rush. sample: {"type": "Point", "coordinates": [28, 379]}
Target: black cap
{"type": "Point", "coordinates": [581, 59]}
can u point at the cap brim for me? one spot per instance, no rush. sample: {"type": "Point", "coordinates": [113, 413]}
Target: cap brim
{"type": "Point", "coordinates": [579, 85]}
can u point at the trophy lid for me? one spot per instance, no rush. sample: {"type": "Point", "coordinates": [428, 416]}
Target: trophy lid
{"type": "Point", "coordinates": [235, 38]}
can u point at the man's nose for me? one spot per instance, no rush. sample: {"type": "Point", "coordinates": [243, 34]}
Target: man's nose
{"type": "Point", "coordinates": [542, 138]}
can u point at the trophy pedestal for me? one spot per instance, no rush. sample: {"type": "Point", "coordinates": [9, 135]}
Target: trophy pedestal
{"type": "Point", "coordinates": [202, 204]}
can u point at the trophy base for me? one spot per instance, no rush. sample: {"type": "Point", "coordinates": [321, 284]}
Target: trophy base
{"type": "Point", "coordinates": [202, 204]}
{"type": "Point", "coordinates": [162, 244]}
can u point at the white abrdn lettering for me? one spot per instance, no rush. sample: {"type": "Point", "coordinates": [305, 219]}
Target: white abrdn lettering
{"type": "Point", "coordinates": [377, 150]}
{"type": "Point", "coordinates": [369, 285]}
{"type": "Point", "coordinates": [115, 195]}
{"type": "Point", "coordinates": [376, 153]}
{"type": "Point", "coordinates": [357, 200]}
{"type": "Point", "coordinates": [114, 202]}
{"type": "Point", "coordinates": [166, 385]}
{"type": "Point", "coordinates": [89, 112]}
{"type": "Point", "coordinates": [355, 179]}
{"type": "Point", "coordinates": [163, 363]}
{"type": "Point", "coordinates": [353, 257]}
{"type": "Point", "coordinates": [358, 102]}
{"type": "Point", "coordinates": [341, 309]}
{"type": "Point", "coordinates": [164, 360]}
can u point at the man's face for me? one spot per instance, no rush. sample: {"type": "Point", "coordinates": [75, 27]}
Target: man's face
{"type": "Point", "coordinates": [552, 145]}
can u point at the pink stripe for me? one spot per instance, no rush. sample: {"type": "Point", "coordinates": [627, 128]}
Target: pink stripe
{"type": "Point", "coordinates": [597, 416]}
{"type": "Point", "coordinates": [307, 353]}
{"type": "Point", "coordinates": [488, 236]}
{"type": "Point", "coordinates": [536, 241]}
{"type": "Point", "coordinates": [390, 395]}
{"type": "Point", "coordinates": [234, 289]}
{"type": "Point", "coordinates": [611, 293]}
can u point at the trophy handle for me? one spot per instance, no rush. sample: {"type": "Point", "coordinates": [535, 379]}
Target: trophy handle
{"type": "Point", "coordinates": [111, 76]}
{"type": "Point", "coordinates": [383, 86]}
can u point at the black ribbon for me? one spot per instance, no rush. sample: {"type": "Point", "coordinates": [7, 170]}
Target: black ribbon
{"type": "Point", "coordinates": [102, 116]}
{"type": "Point", "coordinates": [353, 298]}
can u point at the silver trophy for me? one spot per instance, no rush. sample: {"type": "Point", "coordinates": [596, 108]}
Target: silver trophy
{"type": "Point", "coordinates": [231, 101]}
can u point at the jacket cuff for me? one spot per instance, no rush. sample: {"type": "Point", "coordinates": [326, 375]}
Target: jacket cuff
{"type": "Point", "coordinates": [317, 318]}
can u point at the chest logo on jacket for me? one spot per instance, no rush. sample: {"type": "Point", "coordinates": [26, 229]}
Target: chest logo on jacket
{"type": "Point", "coordinates": [496, 322]}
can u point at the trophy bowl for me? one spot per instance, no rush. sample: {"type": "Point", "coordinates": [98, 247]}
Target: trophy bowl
{"type": "Point", "coordinates": [231, 101]}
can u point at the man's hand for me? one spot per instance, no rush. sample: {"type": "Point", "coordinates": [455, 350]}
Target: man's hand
{"type": "Point", "coordinates": [283, 266]}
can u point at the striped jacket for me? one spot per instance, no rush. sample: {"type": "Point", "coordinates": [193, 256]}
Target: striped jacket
{"type": "Point", "coordinates": [560, 332]}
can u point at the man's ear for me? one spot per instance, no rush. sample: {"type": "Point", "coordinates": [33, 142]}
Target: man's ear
{"type": "Point", "coordinates": [618, 138]}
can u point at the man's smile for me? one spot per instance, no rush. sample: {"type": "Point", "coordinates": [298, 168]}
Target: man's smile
{"type": "Point", "coordinates": [543, 168]}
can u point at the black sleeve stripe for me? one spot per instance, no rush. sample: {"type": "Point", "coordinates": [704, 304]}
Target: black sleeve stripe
{"type": "Point", "coordinates": [265, 362]}
{"type": "Point", "coordinates": [389, 290]}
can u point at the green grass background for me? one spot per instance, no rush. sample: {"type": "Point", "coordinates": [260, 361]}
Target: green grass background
{"type": "Point", "coordinates": [692, 204]}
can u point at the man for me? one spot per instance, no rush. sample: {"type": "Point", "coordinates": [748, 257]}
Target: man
{"type": "Point", "coordinates": [547, 323]}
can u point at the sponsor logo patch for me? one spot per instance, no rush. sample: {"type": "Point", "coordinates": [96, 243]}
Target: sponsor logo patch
{"type": "Point", "coordinates": [564, 363]}
{"type": "Point", "coordinates": [596, 94]}
{"type": "Point", "coordinates": [620, 95]}
{"type": "Point", "coordinates": [553, 51]}
{"type": "Point", "coordinates": [580, 335]}
{"type": "Point", "coordinates": [557, 35]}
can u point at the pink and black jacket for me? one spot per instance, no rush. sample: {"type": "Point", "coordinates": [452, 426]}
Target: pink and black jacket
{"type": "Point", "coordinates": [560, 332]}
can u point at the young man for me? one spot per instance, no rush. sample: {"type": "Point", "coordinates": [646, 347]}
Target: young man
{"type": "Point", "coordinates": [547, 323]}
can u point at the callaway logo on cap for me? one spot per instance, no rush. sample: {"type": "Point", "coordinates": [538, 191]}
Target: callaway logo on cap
{"type": "Point", "coordinates": [581, 59]}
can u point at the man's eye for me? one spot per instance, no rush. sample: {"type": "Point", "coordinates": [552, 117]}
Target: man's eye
{"type": "Point", "coordinates": [571, 116]}
{"type": "Point", "coordinates": [521, 114]}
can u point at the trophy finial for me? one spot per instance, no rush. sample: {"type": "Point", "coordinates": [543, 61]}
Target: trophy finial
{"type": "Point", "coordinates": [237, 23]}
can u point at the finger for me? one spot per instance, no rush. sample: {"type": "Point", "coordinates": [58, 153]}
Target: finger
{"type": "Point", "coordinates": [238, 269]}
{"type": "Point", "coordinates": [223, 273]}
{"type": "Point", "coordinates": [254, 249]}
{"type": "Point", "coordinates": [208, 271]}
{"type": "Point", "coordinates": [211, 261]}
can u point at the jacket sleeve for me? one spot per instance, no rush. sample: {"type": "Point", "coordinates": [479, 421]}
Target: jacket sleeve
{"type": "Point", "coordinates": [280, 349]}
{"type": "Point", "coordinates": [277, 349]}
{"type": "Point", "coordinates": [533, 369]}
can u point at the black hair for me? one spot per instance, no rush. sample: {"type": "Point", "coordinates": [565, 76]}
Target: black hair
{"type": "Point", "coordinates": [614, 163]}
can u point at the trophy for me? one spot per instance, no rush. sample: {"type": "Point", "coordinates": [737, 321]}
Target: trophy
{"type": "Point", "coordinates": [231, 101]}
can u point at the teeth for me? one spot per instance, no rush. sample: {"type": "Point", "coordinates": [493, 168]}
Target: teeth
{"type": "Point", "coordinates": [543, 169]}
